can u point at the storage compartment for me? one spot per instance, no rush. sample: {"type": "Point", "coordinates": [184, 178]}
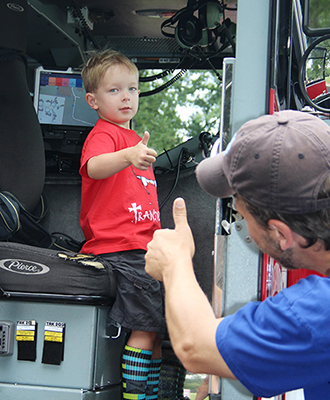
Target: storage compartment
{"type": "Point", "coordinates": [54, 324]}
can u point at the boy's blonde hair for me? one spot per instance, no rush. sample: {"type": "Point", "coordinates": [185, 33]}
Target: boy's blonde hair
{"type": "Point", "coordinates": [97, 65]}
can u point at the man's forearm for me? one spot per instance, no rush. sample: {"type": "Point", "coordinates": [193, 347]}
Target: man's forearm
{"type": "Point", "coordinates": [191, 322]}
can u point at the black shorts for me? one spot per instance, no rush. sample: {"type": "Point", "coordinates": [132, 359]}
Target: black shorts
{"type": "Point", "coordinates": [139, 303]}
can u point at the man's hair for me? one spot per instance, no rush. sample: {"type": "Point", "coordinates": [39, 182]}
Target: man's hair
{"type": "Point", "coordinates": [311, 226]}
{"type": "Point", "coordinates": [97, 65]}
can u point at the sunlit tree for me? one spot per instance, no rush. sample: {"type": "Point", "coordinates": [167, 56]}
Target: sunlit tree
{"type": "Point", "coordinates": [181, 111]}
{"type": "Point", "coordinates": [319, 14]}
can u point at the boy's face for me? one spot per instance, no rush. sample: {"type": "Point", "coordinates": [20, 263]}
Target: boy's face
{"type": "Point", "coordinates": [117, 97]}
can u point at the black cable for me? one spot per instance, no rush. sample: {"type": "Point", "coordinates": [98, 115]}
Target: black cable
{"type": "Point", "coordinates": [165, 85]}
{"type": "Point", "coordinates": [207, 59]}
{"type": "Point", "coordinates": [167, 72]}
{"type": "Point", "coordinates": [176, 178]}
{"type": "Point", "coordinates": [158, 76]}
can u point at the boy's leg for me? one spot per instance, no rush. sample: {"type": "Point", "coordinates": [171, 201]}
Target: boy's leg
{"type": "Point", "coordinates": [136, 363]}
{"type": "Point", "coordinates": [154, 371]}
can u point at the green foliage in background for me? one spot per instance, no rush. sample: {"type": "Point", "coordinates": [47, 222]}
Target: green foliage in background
{"type": "Point", "coordinates": [319, 14]}
{"type": "Point", "coordinates": [185, 109]}
{"type": "Point", "coordinates": [318, 62]}
{"type": "Point", "coordinates": [193, 381]}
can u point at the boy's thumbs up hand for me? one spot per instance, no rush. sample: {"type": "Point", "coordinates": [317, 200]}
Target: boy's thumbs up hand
{"type": "Point", "coordinates": [145, 138]}
{"type": "Point", "coordinates": [143, 157]}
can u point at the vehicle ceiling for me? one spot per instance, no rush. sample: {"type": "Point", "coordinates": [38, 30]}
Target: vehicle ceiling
{"type": "Point", "coordinates": [53, 42]}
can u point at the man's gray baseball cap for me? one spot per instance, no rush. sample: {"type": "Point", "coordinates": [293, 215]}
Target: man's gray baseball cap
{"type": "Point", "coordinates": [276, 162]}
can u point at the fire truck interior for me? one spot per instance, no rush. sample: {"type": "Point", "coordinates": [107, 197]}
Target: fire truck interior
{"type": "Point", "coordinates": [44, 284]}
{"type": "Point", "coordinates": [57, 36]}
{"type": "Point", "coordinates": [41, 40]}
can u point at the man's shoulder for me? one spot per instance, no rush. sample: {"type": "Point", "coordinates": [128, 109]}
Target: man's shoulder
{"type": "Point", "coordinates": [310, 286]}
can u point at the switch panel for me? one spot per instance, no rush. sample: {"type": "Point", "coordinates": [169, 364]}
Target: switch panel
{"type": "Point", "coordinates": [7, 334]}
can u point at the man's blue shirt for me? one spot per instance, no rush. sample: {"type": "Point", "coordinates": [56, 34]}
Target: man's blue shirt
{"type": "Point", "coordinates": [282, 343]}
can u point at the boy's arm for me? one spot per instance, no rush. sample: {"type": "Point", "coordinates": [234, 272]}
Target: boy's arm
{"type": "Point", "coordinates": [108, 164]}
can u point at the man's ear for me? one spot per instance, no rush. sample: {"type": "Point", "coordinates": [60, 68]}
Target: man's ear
{"type": "Point", "coordinates": [90, 98]}
{"type": "Point", "coordinates": [281, 233]}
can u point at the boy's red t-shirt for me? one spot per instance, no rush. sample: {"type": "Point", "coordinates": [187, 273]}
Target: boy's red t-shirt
{"type": "Point", "coordinates": [119, 213]}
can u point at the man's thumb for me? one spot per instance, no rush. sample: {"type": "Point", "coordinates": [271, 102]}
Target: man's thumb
{"type": "Point", "coordinates": [181, 223]}
{"type": "Point", "coordinates": [145, 138]}
{"type": "Point", "coordinates": [179, 212]}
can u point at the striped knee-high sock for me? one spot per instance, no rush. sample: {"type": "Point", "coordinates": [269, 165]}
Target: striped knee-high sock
{"type": "Point", "coordinates": [153, 379]}
{"type": "Point", "coordinates": [135, 368]}
{"type": "Point", "coordinates": [181, 381]}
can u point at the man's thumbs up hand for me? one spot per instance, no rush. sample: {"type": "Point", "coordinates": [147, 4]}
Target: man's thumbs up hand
{"type": "Point", "coordinates": [168, 245]}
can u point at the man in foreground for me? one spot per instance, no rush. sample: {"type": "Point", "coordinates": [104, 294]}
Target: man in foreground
{"type": "Point", "coordinates": [278, 169]}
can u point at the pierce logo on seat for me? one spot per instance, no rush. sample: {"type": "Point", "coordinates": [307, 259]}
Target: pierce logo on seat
{"type": "Point", "coordinates": [24, 267]}
{"type": "Point", "coordinates": [15, 7]}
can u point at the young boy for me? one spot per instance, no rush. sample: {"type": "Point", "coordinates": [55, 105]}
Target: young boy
{"type": "Point", "coordinates": [119, 214]}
